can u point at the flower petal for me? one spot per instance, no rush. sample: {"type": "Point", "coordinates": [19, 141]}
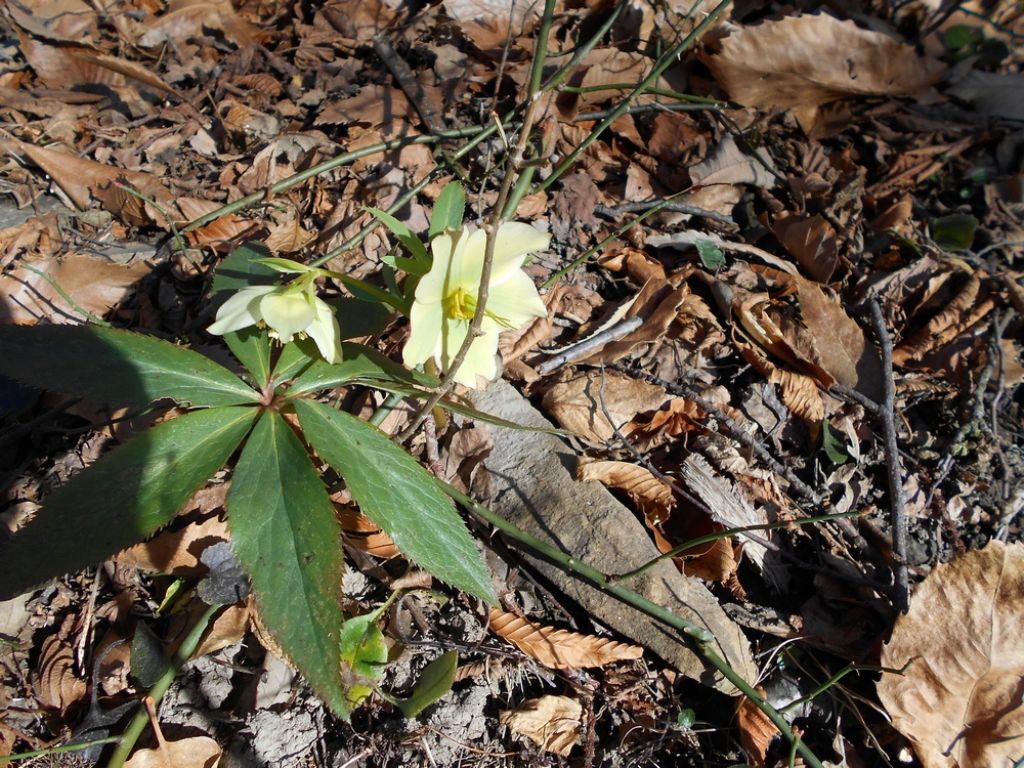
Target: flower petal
{"type": "Point", "coordinates": [325, 332]}
{"type": "Point", "coordinates": [424, 335]}
{"type": "Point", "coordinates": [453, 332]}
{"type": "Point", "coordinates": [287, 313]}
{"type": "Point", "coordinates": [514, 241]}
{"type": "Point", "coordinates": [432, 286]}
{"type": "Point", "coordinates": [241, 310]}
{"type": "Point", "coordinates": [482, 360]}
{"type": "Point", "coordinates": [467, 261]}
{"type": "Point", "coordinates": [515, 300]}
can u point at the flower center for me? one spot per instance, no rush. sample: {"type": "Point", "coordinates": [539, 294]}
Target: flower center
{"type": "Point", "coordinates": [461, 304]}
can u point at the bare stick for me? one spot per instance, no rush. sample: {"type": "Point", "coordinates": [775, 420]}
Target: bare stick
{"type": "Point", "coordinates": [591, 344]}
{"type": "Point", "coordinates": [897, 498]}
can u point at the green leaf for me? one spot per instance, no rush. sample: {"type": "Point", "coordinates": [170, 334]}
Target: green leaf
{"type": "Point", "coordinates": [365, 652]}
{"type": "Point", "coordinates": [358, 318]}
{"type": "Point", "coordinates": [399, 495]}
{"type": "Point", "coordinates": [954, 232]}
{"type": "Point", "coordinates": [405, 235]}
{"type": "Point", "coordinates": [833, 444]}
{"type": "Point", "coordinates": [252, 348]}
{"type": "Point", "coordinates": [448, 210]}
{"type": "Point", "coordinates": [285, 534]}
{"type": "Point", "coordinates": [123, 497]}
{"type": "Point", "coordinates": [358, 364]}
{"type": "Point", "coordinates": [295, 358]}
{"type": "Point", "coordinates": [285, 266]}
{"type": "Point", "coordinates": [242, 268]}
{"type": "Point", "coordinates": [961, 36]}
{"type": "Point", "coordinates": [711, 255]}
{"type": "Point", "coordinates": [115, 366]}
{"type": "Point", "coordinates": [435, 681]}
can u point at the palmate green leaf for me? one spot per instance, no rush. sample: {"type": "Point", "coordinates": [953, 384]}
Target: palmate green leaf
{"type": "Point", "coordinates": [122, 498]}
{"type": "Point", "coordinates": [285, 534]}
{"type": "Point", "coordinates": [399, 495]}
{"type": "Point", "coordinates": [115, 366]}
{"type": "Point", "coordinates": [243, 268]}
{"type": "Point", "coordinates": [358, 364]}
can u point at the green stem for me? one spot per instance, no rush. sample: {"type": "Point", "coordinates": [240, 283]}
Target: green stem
{"type": "Point", "coordinates": [163, 683]}
{"type": "Point", "coordinates": [710, 537]}
{"type": "Point", "coordinates": [659, 67]}
{"type": "Point", "coordinates": [386, 407]}
{"type": "Point", "coordinates": [704, 639]}
{"type": "Point", "coordinates": [328, 165]}
{"type": "Point", "coordinates": [67, 297]}
{"type": "Point", "coordinates": [653, 91]}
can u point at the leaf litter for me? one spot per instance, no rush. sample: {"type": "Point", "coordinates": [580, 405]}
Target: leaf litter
{"type": "Point", "coordinates": [832, 158]}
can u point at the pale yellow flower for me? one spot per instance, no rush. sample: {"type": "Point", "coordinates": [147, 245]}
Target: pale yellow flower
{"type": "Point", "coordinates": [446, 298]}
{"type": "Point", "coordinates": [287, 311]}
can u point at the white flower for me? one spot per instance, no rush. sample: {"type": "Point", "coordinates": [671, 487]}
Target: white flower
{"type": "Point", "coordinates": [288, 311]}
{"type": "Point", "coordinates": [446, 298]}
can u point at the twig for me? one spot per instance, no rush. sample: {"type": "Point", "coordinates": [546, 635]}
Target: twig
{"type": "Point", "coordinates": [493, 224]}
{"type": "Point", "coordinates": [693, 210]}
{"type": "Point", "coordinates": [407, 81]}
{"type": "Point", "coordinates": [897, 497]}
{"type": "Point", "coordinates": [640, 109]}
{"type": "Point", "coordinates": [95, 319]}
{"type": "Point", "coordinates": [588, 345]}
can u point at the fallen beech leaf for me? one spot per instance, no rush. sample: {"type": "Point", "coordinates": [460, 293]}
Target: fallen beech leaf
{"type": "Point", "coordinates": [193, 752]}
{"type": "Point", "coordinates": [551, 722]}
{"type": "Point", "coordinates": [756, 730]}
{"type": "Point", "coordinates": [559, 648]}
{"type": "Point", "coordinates": [178, 551]}
{"type": "Point", "coordinates": [728, 164]}
{"type": "Point", "coordinates": [959, 700]}
{"type": "Point", "coordinates": [807, 61]}
{"type": "Point", "coordinates": [576, 403]}
{"type": "Point", "coordinates": [651, 495]}
{"type": "Point", "coordinates": [363, 534]}
{"type": "Point", "coordinates": [58, 687]}
{"type": "Point", "coordinates": [187, 18]}
{"type": "Point", "coordinates": [95, 285]}
{"type": "Point", "coordinates": [489, 23]}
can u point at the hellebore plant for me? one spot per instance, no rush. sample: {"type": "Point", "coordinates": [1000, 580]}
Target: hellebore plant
{"type": "Point", "coordinates": [284, 532]}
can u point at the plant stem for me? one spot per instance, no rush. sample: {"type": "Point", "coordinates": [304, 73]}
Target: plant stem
{"type": "Point", "coordinates": [704, 640]}
{"type": "Point", "coordinates": [77, 747]}
{"type": "Point", "coordinates": [163, 683]}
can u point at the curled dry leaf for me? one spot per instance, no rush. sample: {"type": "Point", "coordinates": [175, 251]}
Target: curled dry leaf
{"type": "Point", "coordinates": [651, 495]}
{"type": "Point", "coordinates": [807, 61]}
{"type": "Point", "coordinates": [756, 730]}
{"type": "Point", "coordinates": [559, 648]}
{"type": "Point", "coordinates": [193, 752]}
{"type": "Point", "coordinates": [363, 534]}
{"type": "Point", "coordinates": [490, 23]}
{"type": "Point", "coordinates": [551, 722]}
{"type": "Point", "coordinates": [959, 700]}
{"type": "Point", "coordinates": [58, 687]}
{"type": "Point", "coordinates": [178, 551]}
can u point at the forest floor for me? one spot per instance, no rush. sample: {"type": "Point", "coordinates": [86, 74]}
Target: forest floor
{"type": "Point", "coordinates": [794, 262]}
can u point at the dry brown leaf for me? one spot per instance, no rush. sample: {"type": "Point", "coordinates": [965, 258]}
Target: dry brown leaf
{"type": "Point", "coordinates": [193, 752]}
{"type": "Point", "coordinates": [490, 23]}
{"type": "Point", "coordinates": [222, 234]}
{"type": "Point", "coordinates": [188, 18]}
{"type": "Point", "coordinates": [811, 241]}
{"type": "Point", "coordinates": [807, 61]}
{"type": "Point", "coordinates": [576, 403]}
{"type": "Point", "coordinates": [968, 308]}
{"type": "Point", "coordinates": [560, 648]}
{"type": "Point", "coordinates": [603, 67]}
{"type": "Point", "coordinates": [178, 552]}
{"type": "Point", "coordinates": [756, 730]}
{"type": "Point", "coordinates": [365, 535]}
{"type": "Point", "coordinates": [553, 723]}
{"type": "Point", "coordinates": [58, 687]}
{"type": "Point", "coordinates": [82, 179]}
{"type": "Point", "coordinates": [95, 285]}
{"type": "Point", "coordinates": [959, 700]}
{"type": "Point", "coordinates": [129, 69]}
{"type": "Point", "coordinates": [652, 496]}
{"type": "Point", "coordinates": [728, 164]}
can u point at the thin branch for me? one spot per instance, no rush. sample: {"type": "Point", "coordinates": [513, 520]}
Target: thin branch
{"type": "Point", "coordinates": [897, 497]}
{"type": "Point", "coordinates": [693, 210]}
